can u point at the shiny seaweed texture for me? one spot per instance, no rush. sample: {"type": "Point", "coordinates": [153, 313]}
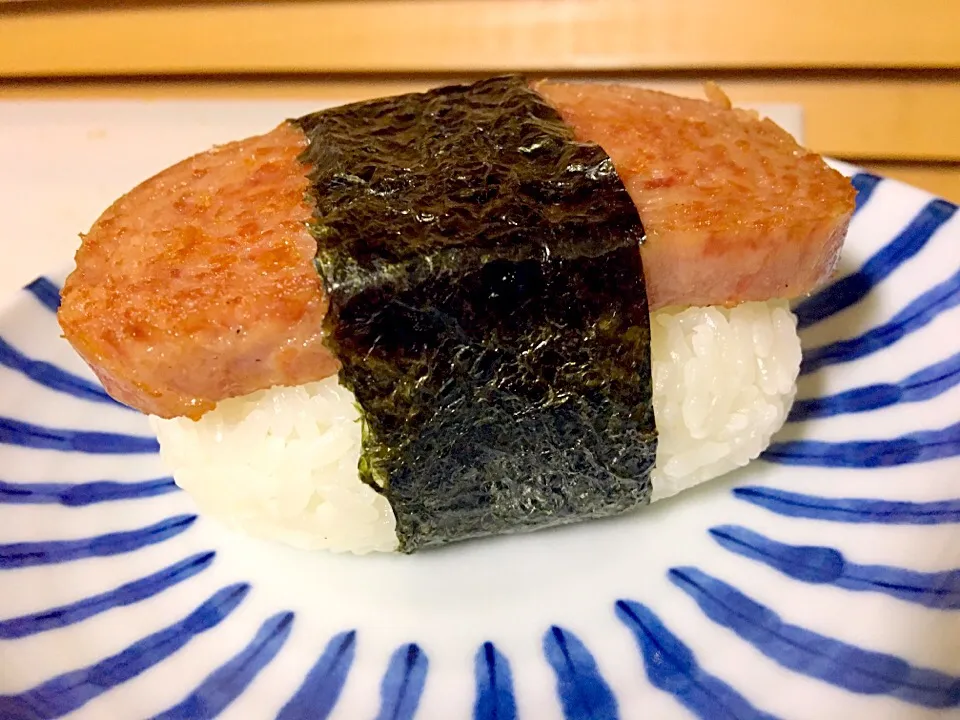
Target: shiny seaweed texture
{"type": "Point", "coordinates": [487, 305]}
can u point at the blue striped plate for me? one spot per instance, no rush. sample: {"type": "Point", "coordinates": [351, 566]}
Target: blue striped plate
{"type": "Point", "coordinates": [820, 582]}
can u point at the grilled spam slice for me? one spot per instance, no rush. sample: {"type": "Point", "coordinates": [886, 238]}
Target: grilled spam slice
{"type": "Point", "coordinates": [199, 284]}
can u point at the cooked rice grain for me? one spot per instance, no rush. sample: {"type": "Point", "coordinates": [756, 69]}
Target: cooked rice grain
{"type": "Point", "coordinates": [723, 383]}
{"type": "Point", "coordinates": [282, 464]}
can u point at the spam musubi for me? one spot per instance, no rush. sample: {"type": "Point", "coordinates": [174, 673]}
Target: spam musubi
{"type": "Point", "coordinates": [421, 319]}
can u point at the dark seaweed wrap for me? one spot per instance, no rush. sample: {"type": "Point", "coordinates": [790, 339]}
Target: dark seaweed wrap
{"type": "Point", "coordinates": [488, 307]}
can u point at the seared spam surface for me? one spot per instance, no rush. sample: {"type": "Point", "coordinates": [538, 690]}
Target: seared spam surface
{"type": "Point", "coordinates": [733, 208]}
{"type": "Point", "coordinates": [199, 283]}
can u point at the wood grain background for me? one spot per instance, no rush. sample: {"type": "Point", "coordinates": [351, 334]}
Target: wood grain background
{"type": "Point", "coordinates": [878, 81]}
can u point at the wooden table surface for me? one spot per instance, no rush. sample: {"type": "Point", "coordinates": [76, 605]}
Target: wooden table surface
{"type": "Point", "coordinates": [878, 82]}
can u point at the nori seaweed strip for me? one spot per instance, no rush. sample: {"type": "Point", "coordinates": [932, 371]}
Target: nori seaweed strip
{"type": "Point", "coordinates": [488, 307]}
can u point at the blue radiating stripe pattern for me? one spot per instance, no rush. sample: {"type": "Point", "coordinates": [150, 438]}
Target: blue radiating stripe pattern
{"type": "Point", "coordinates": [321, 688]}
{"type": "Point", "coordinates": [850, 290]}
{"type": "Point", "coordinates": [865, 184]}
{"type": "Point", "coordinates": [918, 387]}
{"type": "Point", "coordinates": [828, 566]}
{"type": "Point", "coordinates": [61, 695]}
{"type": "Point", "coordinates": [82, 494]}
{"type": "Point", "coordinates": [52, 377]}
{"type": "Point", "coordinates": [672, 667]}
{"type": "Point", "coordinates": [801, 650]}
{"type": "Point", "coordinates": [915, 447]}
{"type": "Point", "coordinates": [582, 689]}
{"type": "Point", "coordinates": [494, 679]}
{"type": "Point", "coordinates": [402, 683]}
{"type": "Point", "coordinates": [46, 292]}
{"type": "Point", "coordinates": [49, 552]}
{"type": "Point", "coordinates": [227, 682]}
{"type": "Point", "coordinates": [38, 437]}
{"type": "Point", "coordinates": [917, 314]}
{"type": "Point", "coordinates": [127, 594]}
{"type": "Point", "coordinates": [871, 511]}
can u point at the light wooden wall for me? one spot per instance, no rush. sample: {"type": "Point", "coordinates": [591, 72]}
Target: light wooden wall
{"type": "Point", "coordinates": [878, 80]}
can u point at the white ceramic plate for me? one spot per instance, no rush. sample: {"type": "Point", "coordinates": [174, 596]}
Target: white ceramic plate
{"type": "Point", "coordinates": [821, 582]}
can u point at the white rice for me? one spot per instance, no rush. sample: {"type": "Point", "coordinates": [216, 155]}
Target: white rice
{"type": "Point", "coordinates": [282, 463]}
{"type": "Point", "coordinates": [723, 383]}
